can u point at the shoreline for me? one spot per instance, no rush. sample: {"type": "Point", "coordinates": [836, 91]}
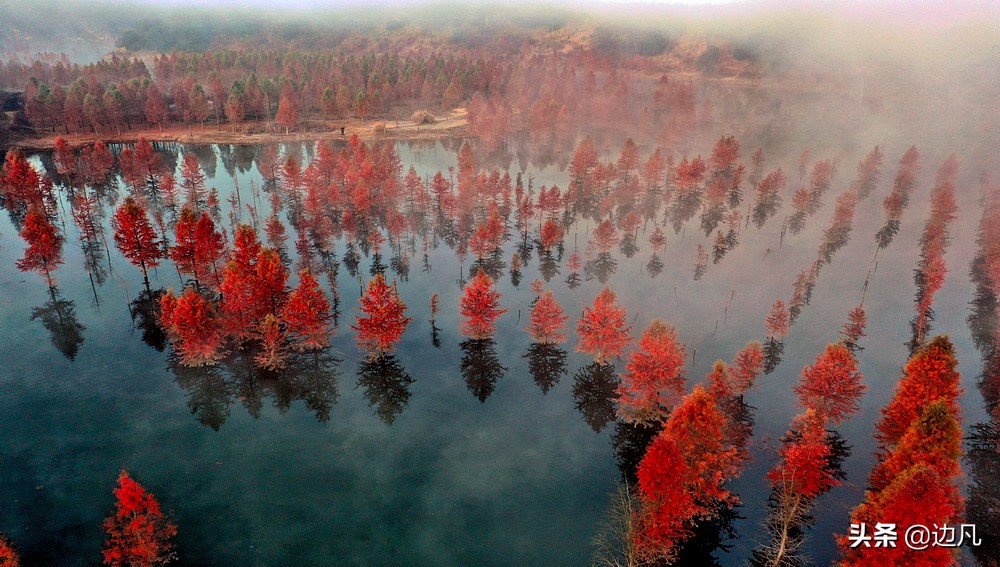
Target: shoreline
{"type": "Point", "coordinates": [452, 125]}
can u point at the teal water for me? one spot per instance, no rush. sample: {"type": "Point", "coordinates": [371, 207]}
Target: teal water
{"type": "Point", "coordinates": [305, 471]}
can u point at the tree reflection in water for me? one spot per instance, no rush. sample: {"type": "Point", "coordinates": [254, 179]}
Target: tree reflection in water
{"type": "Point", "coordinates": [594, 389]}
{"type": "Point", "coordinates": [58, 316]}
{"type": "Point", "coordinates": [481, 367]}
{"type": "Point", "coordinates": [145, 311]}
{"type": "Point", "coordinates": [547, 363]}
{"type": "Point", "coordinates": [386, 386]}
{"type": "Point", "coordinates": [309, 376]}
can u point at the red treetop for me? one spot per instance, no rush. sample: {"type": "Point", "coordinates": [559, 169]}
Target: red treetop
{"type": "Point", "coordinates": [384, 320]}
{"type": "Point", "coordinates": [918, 496]}
{"type": "Point", "coordinates": [603, 330]}
{"type": "Point", "coordinates": [191, 321]}
{"type": "Point", "coordinates": [668, 503]}
{"type": "Point", "coordinates": [934, 439]}
{"type": "Point", "coordinates": [307, 314]}
{"type": "Point", "coordinates": [777, 321]}
{"type": "Point", "coordinates": [548, 321]}
{"type": "Point", "coordinates": [480, 307]}
{"type": "Point", "coordinates": [134, 235]}
{"type": "Point", "coordinates": [44, 250]}
{"type": "Point", "coordinates": [654, 378]}
{"type": "Point", "coordinates": [928, 376]}
{"type": "Point", "coordinates": [832, 385]}
{"type": "Point", "coordinates": [8, 557]}
{"type": "Point", "coordinates": [805, 454]}
{"type": "Point", "coordinates": [748, 364]}
{"type": "Point", "coordinates": [138, 533]}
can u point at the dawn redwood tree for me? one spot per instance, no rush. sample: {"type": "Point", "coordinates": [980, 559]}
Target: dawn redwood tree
{"type": "Point", "coordinates": [383, 321]}
{"type": "Point", "coordinates": [138, 532]}
{"type": "Point", "coordinates": [8, 557]}
{"type": "Point", "coordinates": [931, 374]}
{"type": "Point", "coordinates": [273, 353]}
{"type": "Point", "coordinates": [548, 321]}
{"type": "Point", "coordinates": [197, 247]}
{"type": "Point", "coordinates": [666, 503]}
{"type": "Point", "coordinates": [191, 321]}
{"type": "Point", "coordinates": [918, 496]}
{"type": "Point", "coordinates": [288, 107]}
{"type": "Point", "coordinates": [603, 328]}
{"type": "Point", "coordinates": [307, 315]}
{"type": "Point", "coordinates": [777, 321]}
{"type": "Point", "coordinates": [803, 470]}
{"type": "Point", "coordinates": [832, 384]}
{"type": "Point", "coordinates": [653, 382]}
{"type": "Point", "coordinates": [44, 251]}
{"type": "Point", "coordinates": [747, 366]}
{"type": "Point", "coordinates": [934, 439]}
{"type": "Point", "coordinates": [696, 433]}
{"type": "Point", "coordinates": [135, 237]}
{"type": "Point", "coordinates": [193, 181]}
{"type": "Point", "coordinates": [854, 329]}
{"type": "Point", "coordinates": [480, 307]}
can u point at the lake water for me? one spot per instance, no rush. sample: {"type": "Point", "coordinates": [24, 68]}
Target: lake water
{"type": "Point", "coordinates": [258, 471]}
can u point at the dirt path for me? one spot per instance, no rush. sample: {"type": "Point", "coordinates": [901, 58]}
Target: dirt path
{"type": "Point", "coordinates": [451, 125]}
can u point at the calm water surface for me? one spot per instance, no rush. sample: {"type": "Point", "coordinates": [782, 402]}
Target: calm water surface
{"type": "Point", "coordinates": [307, 472]}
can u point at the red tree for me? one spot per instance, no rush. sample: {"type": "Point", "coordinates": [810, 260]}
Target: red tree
{"type": "Point", "coordinates": [480, 307]}
{"type": "Point", "coordinates": [654, 378]}
{"type": "Point", "coordinates": [384, 319]}
{"type": "Point", "coordinates": [44, 250]}
{"type": "Point", "coordinates": [307, 315]}
{"type": "Point", "coordinates": [138, 532]}
{"type": "Point", "coordinates": [603, 329]}
{"type": "Point", "coordinates": [696, 434]}
{"type": "Point", "coordinates": [777, 321]}
{"type": "Point", "coordinates": [198, 247]}
{"type": "Point", "coordinates": [548, 321]}
{"type": "Point", "coordinates": [805, 454]}
{"type": "Point", "coordinates": [928, 376]}
{"type": "Point", "coordinates": [832, 384]}
{"type": "Point", "coordinates": [918, 496]}
{"type": "Point", "coordinates": [135, 237]}
{"type": "Point", "coordinates": [934, 439]}
{"type": "Point", "coordinates": [288, 107]}
{"type": "Point", "coordinates": [273, 352]}
{"type": "Point", "coordinates": [8, 557]}
{"type": "Point", "coordinates": [192, 323]}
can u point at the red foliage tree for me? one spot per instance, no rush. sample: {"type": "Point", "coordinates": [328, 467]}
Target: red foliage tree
{"type": "Point", "coordinates": [138, 532]}
{"type": "Point", "coordinates": [928, 376]}
{"type": "Point", "coordinates": [135, 237]}
{"type": "Point", "coordinates": [548, 321]}
{"type": "Point", "coordinates": [603, 329]}
{"type": "Point", "coordinates": [480, 307]}
{"type": "Point", "coordinates": [307, 315]}
{"type": "Point", "coordinates": [654, 378]}
{"type": "Point", "coordinates": [273, 353]}
{"type": "Point", "coordinates": [605, 236]}
{"type": "Point", "coordinates": [191, 321]}
{"type": "Point", "coordinates": [832, 384]}
{"type": "Point", "coordinates": [854, 329]}
{"type": "Point", "coordinates": [288, 107]}
{"type": "Point", "coordinates": [667, 503]}
{"type": "Point", "coordinates": [44, 251]}
{"type": "Point", "coordinates": [934, 439]}
{"type": "Point", "coordinates": [65, 158]}
{"type": "Point", "coordinates": [777, 320]}
{"type": "Point", "coordinates": [383, 321]}
{"type": "Point", "coordinates": [918, 496]}
{"type": "Point", "coordinates": [805, 455]}
{"type": "Point", "coordinates": [198, 247]}
{"type": "Point", "coordinates": [696, 434]}
{"type": "Point", "coordinates": [8, 557]}
{"type": "Point", "coordinates": [19, 182]}
{"type": "Point", "coordinates": [747, 366]}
